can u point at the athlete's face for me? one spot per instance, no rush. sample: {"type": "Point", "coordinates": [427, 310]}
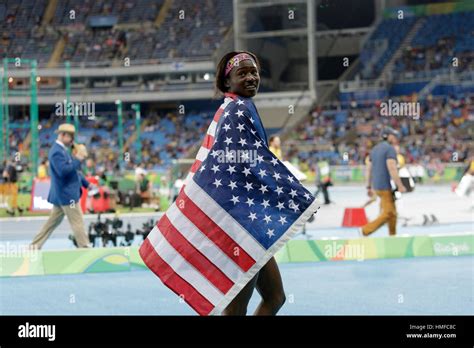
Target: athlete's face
{"type": "Point", "coordinates": [244, 79]}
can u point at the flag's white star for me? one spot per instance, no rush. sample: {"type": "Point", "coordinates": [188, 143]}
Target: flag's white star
{"type": "Point", "coordinates": [307, 196]}
{"type": "Point", "coordinates": [248, 186]}
{"type": "Point", "coordinates": [214, 153]}
{"type": "Point", "coordinates": [229, 156]}
{"type": "Point", "coordinates": [235, 199]}
{"type": "Point", "coordinates": [276, 176]}
{"type": "Point", "coordinates": [245, 155]}
{"type": "Point", "coordinates": [215, 168]}
{"type": "Point", "coordinates": [282, 220]}
{"type": "Point", "coordinates": [263, 188]}
{"type": "Point", "coordinates": [228, 141]}
{"type": "Point", "coordinates": [240, 102]}
{"type": "Point", "coordinates": [242, 142]}
{"type": "Point", "coordinates": [232, 185]}
{"type": "Point", "coordinates": [270, 233]}
{"type": "Point", "coordinates": [231, 169]}
{"type": "Point", "coordinates": [253, 131]}
{"type": "Point", "coordinates": [239, 113]}
{"type": "Point", "coordinates": [293, 193]}
{"type": "Point", "coordinates": [227, 113]}
{"type": "Point", "coordinates": [246, 171]}
{"type": "Point", "coordinates": [258, 144]}
{"type": "Point", "coordinates": [202, 168]}
{"type": "Point", "coordinates": [250, 202]}
{"type": "Point", "coordinates": [267, 218]}
{"type": "Point", "coordinates": [265, 203]}
{"type": "Point", "coordinates": [280, 205]}
{"type": "Point", "coordinates": [259, 158]}
{"type": "Point", "coordinates": [252, 120]}
{"type": "Point", "coordinates": [226, 127]}
{"type": "Point", "coordinates": [279, 190]}
{"type": "Point", "coordinates": [274, 161]}
{"type": "Point", "coordinates": [240, 127]}
{"type": "Point", "coordinates": [217, 183]}
{"type": "Point", "coordinates": [252, 216]}
{"type": "Point", "coordinates": [262, 173]}
{"type": "Point", "coordinates": [290, 179]}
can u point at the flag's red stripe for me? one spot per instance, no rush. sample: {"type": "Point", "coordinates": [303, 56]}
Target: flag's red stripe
{"type": "Point", "coordinates": [208, 141]}
{"type": "Point", "coordinates": [195, 166]}
{"type": "Point", "coordinates": [218, 114]}
{"type": "Point", "coordinates": [173, 281]}
{"type": "Point", "coordinates": [205, 224]}
{"type": "Point", "coordinates": [194, 256]}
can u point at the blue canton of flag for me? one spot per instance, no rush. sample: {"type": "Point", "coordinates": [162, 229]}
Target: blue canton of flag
{"type": "Point", "coordinates": [245, 178]}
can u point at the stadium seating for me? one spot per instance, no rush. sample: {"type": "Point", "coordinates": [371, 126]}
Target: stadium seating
{"type": "Point", "coordinates": [387, 38]}
{"type": "Point", "coordinates": [24, 36]}
{"type": "Point", "coordinates": [443, 129]}
{"type": "Point", "coordinates": [437, 42]}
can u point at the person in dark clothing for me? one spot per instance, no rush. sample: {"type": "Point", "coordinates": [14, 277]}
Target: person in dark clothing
{"type": "Point", "coordinates": [323, 180]}
{"type": "Point", "coordinates": [10, 177]}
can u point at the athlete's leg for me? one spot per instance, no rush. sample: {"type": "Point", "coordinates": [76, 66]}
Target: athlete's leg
{"type": "Point", "coordinates": [239, 304]}
{"type": "Point", "coordinates": [270, 287]}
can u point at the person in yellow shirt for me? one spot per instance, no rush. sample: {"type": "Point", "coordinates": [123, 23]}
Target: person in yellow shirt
{"type": "Point", "coordinates": [275, 146]}
{"type": "Point", "coordinates": [43, 169]}
{"type": "Point", "coordinates": [466, 184]}
{"type": "Point", "coordinates": [400, 157]}
{"type": "Point", "coordinates": [471, 167]}
{"type": "Point", "coordinates": [10, 176]}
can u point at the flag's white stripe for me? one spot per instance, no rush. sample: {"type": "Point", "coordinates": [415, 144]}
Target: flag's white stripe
{"type": "Point", "coordinates": [224, 220]}
{"type": "Point", "coordinates": [226, 102]}
{"type": "Point", "coordinates": [188, 178]}
{"type": "Point", "coordinates": [203, 244]}
{"type": "Point", "coordinates": [212, 131]}
{"type": "Point", "coordinates": [212, 128]}
{"type": "Point", "coordinates": [202, 154]}
{"type": "Point", "coordinates": [183, 268]}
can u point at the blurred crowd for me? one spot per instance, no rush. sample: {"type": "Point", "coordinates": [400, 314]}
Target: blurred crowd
{"type": "Point", "coordinates": [435, 57]}
{"type": "Point", "coordinates": [165, 136]}
{"type": "Point", "coordinates": [442, 134]}
{"type": "Point", "coordinates": [188, 30]}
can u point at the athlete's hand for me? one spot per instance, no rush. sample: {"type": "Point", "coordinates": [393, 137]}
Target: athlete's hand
{"type": "Point", "coordinates": [370, 192]}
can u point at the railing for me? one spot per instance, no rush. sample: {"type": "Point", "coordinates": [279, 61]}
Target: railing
{"type": "Point", "coordinates": [138, 62]}
{"type": "Point", "coordinates": [357, 85]}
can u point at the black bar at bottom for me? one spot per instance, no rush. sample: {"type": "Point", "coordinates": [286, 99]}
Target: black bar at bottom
{"type": "Point", "coordinates": [450, 331]}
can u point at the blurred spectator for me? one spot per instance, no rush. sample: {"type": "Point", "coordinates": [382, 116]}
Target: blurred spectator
{"type": "Point", "coordinates": [43, 169]}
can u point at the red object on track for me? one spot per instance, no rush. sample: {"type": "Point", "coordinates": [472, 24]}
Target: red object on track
{"type": "Point", "coordinates": [354, 217]}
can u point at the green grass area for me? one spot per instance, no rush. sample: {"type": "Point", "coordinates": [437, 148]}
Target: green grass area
{"type": "Point", "coordinates": [24, 200]}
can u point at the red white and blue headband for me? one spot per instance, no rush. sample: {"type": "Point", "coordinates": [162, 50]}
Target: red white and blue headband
{"type": "Point", "coordinates": [235, 61]}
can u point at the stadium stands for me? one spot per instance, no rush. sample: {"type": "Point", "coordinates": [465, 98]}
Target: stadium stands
{"type": "Point", "coordinates": [23, 34]}
{"type": "Point", "coordinates": [164, 137]}
{"type": "Point", "coordinates": [442, 129]}
{"type": "Point", "coordinates": [328, 133]}
{"type": "Point", "coordinates": [437, 42]}
{"type": "Point", "coordinates": [382, 44]}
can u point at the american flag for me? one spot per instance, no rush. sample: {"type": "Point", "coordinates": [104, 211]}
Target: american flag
{"type": "Point", "coordinates": [239, 206]}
